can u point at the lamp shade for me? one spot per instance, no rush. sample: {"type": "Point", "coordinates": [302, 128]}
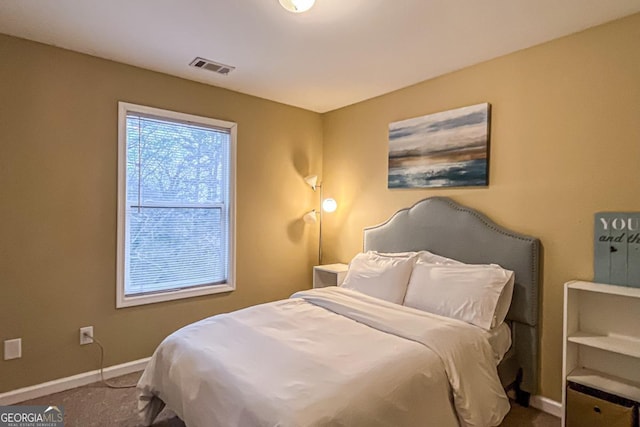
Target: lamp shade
{"type": "Point", "coordinates": [297, 6]}
{"type": "Point", "coordinates": [329, 205]}
{"type": "Point", "coordinates": [310, 217]}
{"type": "Point", "coordinates": [312, 181]}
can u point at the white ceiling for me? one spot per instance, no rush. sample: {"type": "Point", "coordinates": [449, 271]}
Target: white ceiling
{"type": "Point", "coordinates": [338, 53]}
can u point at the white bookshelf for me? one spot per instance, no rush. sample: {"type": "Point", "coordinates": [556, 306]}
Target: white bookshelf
{"type": "Point", "coordinates": [601, 339]}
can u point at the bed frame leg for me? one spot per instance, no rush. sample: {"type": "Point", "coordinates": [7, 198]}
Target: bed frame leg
{"type": "Point", "coordinates": [522, 397]}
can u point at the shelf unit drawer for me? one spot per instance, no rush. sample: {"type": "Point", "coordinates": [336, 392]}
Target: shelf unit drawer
{"type": "Point", "coordinates": [585, 410]}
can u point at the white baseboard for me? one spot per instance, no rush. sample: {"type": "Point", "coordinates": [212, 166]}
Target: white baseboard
{"type": "Point", "coordinates": [547, 405]}
{"type": "Point", "coordinates": [62, 384]}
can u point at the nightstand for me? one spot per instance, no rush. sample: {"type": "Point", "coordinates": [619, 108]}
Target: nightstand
{"type": "Point", "coordinates": [329, 275]}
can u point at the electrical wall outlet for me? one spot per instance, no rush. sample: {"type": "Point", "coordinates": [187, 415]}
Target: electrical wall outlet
{"type": "Point", "coordinates": [13, 349]}
{"type": "Point", "coordinates": [86, 335]}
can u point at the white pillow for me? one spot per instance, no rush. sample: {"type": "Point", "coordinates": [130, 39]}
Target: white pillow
{"type": "Point", "coordinates": [383, 276]}
{"type": "Point", "coordinates": [466, 292]}
{"type": "Point", "coordinates": [504, 302]}
{"type": "Point", "coordinates": [431, 258]}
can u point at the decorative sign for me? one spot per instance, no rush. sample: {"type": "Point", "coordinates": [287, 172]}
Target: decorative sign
{"type": "Point", "coordinates": [617, 248]}
{"type": "Point", "coordinates": [447, 149]}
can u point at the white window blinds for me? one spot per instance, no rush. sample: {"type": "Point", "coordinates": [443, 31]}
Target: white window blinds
{"type": "Point", "coordinates": [177, 204]}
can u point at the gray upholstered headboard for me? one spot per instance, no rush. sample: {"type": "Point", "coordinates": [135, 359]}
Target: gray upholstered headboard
{"type": "Point", "coordinates": [440, 225]}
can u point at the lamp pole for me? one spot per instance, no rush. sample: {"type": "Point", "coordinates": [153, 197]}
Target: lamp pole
{"type": "Point", "coordinates": [320, 229]}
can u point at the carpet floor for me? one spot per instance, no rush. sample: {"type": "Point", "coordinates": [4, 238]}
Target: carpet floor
{"type": "Point", "coordinates": [95, 405]}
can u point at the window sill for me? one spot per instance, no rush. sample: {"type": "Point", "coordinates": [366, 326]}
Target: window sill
{"type": "Point", "coordinates": [123, 301]}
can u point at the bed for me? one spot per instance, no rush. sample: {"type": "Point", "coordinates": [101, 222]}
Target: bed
{"type": "Point", "coordinates": [334, 356]}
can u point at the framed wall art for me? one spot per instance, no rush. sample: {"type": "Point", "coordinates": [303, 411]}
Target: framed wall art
{"type": "Point", "coordinates": [446, 149]}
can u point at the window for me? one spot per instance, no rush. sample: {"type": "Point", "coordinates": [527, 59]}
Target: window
{"type": "Point", "coordinates": [175, 205]}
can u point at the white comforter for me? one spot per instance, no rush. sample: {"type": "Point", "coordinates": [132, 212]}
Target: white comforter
{"type": "Point", "coordinates": [325, 357]}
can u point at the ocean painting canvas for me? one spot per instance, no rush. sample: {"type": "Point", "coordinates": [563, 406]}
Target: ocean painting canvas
{"type": "Point", "coordinates": [446, 149]}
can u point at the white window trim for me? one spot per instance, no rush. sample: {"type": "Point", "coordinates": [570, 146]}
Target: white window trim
{"type": "Point", "coordinates": [128, 301]}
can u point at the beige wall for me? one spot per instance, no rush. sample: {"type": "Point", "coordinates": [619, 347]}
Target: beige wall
{"type": "Point", "coordinates": [565, 143]}
{"type": "Point", "coordinates": [58, 149]}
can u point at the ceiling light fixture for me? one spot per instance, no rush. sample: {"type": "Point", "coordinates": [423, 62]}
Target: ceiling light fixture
{"type": "Point", "coordinates": [297, 6]}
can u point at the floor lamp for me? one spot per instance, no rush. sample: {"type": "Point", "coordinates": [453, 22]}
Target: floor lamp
{"type": "Point", "coordinates": [326, 205]}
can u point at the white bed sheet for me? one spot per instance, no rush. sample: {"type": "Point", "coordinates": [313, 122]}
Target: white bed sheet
{"type": "Point", "coordinates": [500, 340]}
{"type": "Point", "coordinates": [328, 356]}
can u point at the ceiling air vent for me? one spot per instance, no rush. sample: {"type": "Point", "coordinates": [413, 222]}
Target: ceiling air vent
{"type": "Point", "coordinates": [212, 66]}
